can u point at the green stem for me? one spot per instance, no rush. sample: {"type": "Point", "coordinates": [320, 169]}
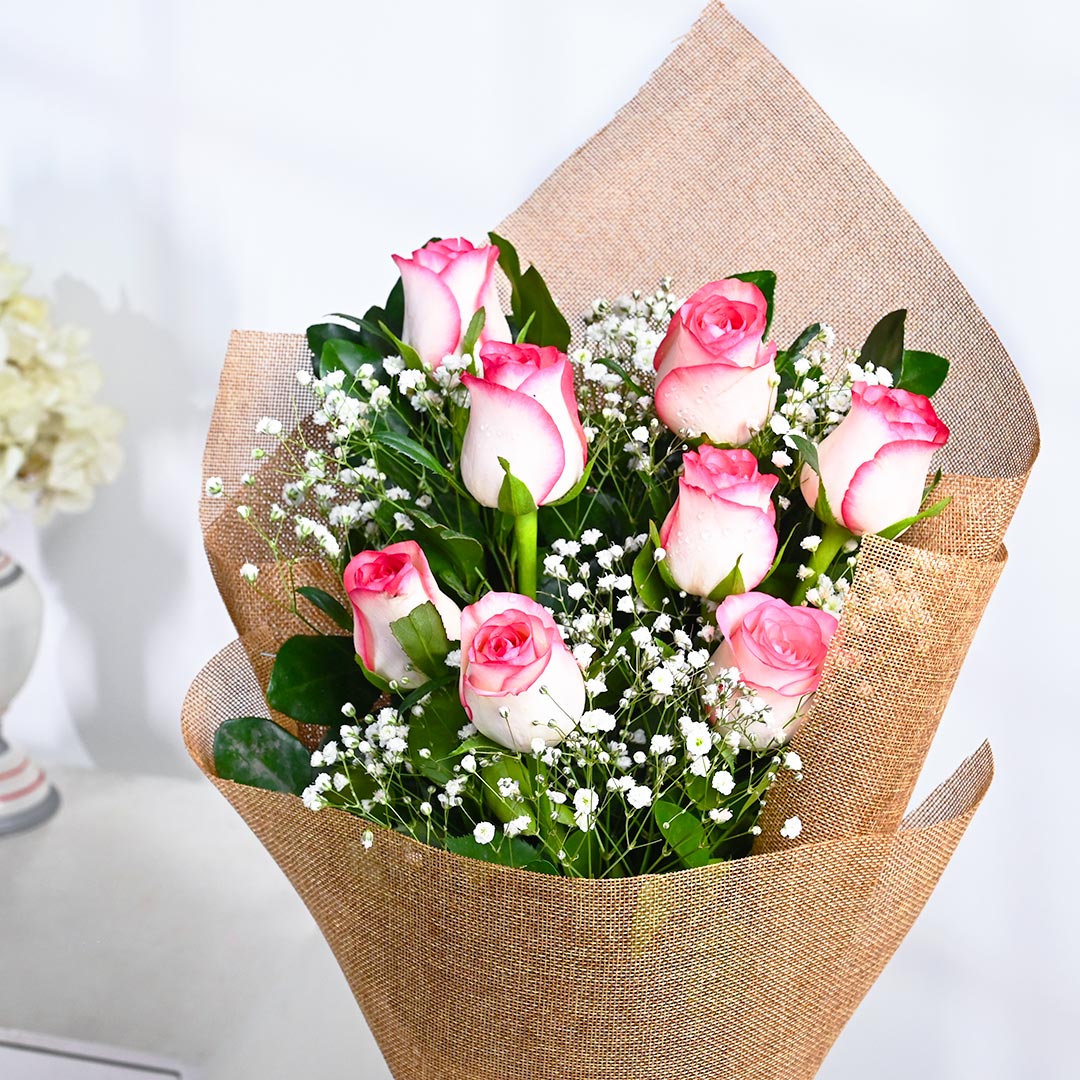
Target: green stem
{"type": "Point", "coordinates": [525, 554]}
{"type": "Point", "coordinates": [833, 538]}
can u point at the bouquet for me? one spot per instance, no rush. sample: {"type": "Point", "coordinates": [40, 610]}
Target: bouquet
{"type": "Point", "coordinates": [587, 598]}
{"type": "Point", "coordinates": [607, 650]}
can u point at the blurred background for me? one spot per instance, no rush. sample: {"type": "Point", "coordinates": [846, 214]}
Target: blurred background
{"type": "Point", "coordinates": [173, 170]}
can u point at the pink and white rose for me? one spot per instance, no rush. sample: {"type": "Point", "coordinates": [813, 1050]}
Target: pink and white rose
{"type": "Point", "coordinates": [519, 681]}
{"type": "Point", "coordinates": [384, 586]}
{"type": "Point", "coordinates": [714, 375]}
{"type": "Point", "coordinates": [724, 514]}
{"type": "Point", "coordinates": [874, 464]}
{"type": "Point", "coordinates": [779, 651]}
{"type": "Point", "coordinates": [523, 409]}
{"type": "Point", "coordinates": [446, 283]}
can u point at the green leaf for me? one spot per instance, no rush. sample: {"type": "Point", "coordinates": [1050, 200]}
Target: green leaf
{"type": "Point", "coordinates": [765, 280]}
{"type": "Point", "coordinates": [313, 676]}
{"type": "Point", "coordinates": [731, 585]}
{"type": "Point", "coordinates": [809, 453]}
{"type": "Point", "coordinates": [803, 340]}
{"type": "Point", "coordinates": [776, 561]}
{"type": "Point", "coordinates": [423, 637]}
{"type": "Point", "coordinates": [328, 605]}
{"type": "Point", "coordinates": [411, 449]}
{"type": "Point", "coordinates": [885, 344]}
{"type": "Point", "coordinates": [340, 354]}
{"type": "Point", "coordinates": [380, 684]}
{"type": "Point", "coordinates": [578, 488]}
{"type": "Point", "coordinates": [255, 751]}
{"type": "Point", "coordinates": [922, 372]}
{"type": "Point", "coordinates": [648, 579]}
{"type": "Point", "coordinates": [320, 333]}
{"type": "Point", "coordinates": [436, 730]}
{"type": "Point", "coordinates": [394, 308]}
{"type": "Point", "coordinates": [406, 352]}
{"type": "Point", "coordinates": [683, 833]}
{"type": "Point", "coordinates": [472, 333]}
{"type": "Point", "coordinates": [455, 559]}
{"type": "Point", "coordinates": [506, 851]}
{"type": "Point", "coordinates": [515, 499]}
{"type": "Point", "coordinates": [893, 531]}
{"type": "Point", "coordinates": [508, 767]}
{"type": "Point", "coordinates": [521, 334]}
{"type": "Point", "coordinates": [530, 300]}
{"type": "Point", "coordinates": [627, 378]}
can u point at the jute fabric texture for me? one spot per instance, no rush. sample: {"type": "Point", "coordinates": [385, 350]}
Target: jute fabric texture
{"type": "Point", "coordinates": [749, 970]}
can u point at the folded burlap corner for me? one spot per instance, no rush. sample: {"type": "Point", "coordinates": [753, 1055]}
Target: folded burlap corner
{"type": "Point", "coordinates": [748, 970]}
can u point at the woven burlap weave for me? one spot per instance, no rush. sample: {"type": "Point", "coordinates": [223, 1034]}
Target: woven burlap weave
{"type": "Point", "coordinates": [746, 971]}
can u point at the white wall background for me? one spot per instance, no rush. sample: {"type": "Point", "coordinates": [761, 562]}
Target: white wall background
{"type": "Point", "coordinates": [176, 169]}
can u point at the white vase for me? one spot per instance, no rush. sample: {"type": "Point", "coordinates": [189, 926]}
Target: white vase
{"type": "Point", "coordinates": [26, 797]}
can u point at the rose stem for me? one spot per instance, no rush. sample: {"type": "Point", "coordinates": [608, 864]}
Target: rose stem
{"type": "Point", "coordinates": [833, 538]}
{"type": "Point", "coordinates": [525, 553]}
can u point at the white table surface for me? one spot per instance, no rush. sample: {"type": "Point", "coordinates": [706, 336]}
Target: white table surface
{"type": "Point", "coordinates": [146, 915]}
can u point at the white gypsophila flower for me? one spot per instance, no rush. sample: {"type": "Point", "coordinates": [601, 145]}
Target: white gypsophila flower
{"type": "Point", "coordinates": [661, 744]}
{"type": "Point", "coordinates": [792, 761]}
{"type": "Point", "coordinates": [583, 654]}
{"type": "Point", "coordinates": [723, 782]}
{"type": "Point", "coordinates": [639, 796]}
{"type": "Point", "coordinates": [249, 572]}
{"type": "Point", "coordinates": [698, 737]}
{"type": "Point", "coordinates": [791, 828]}
{"type": "Point", "coordinates": [810, 543]}
{"type": "Point", "coordinates": [720, 816]}
{"type": "Point", "coordinates": [781, 459]}
{"type": "Point", "coordinates": [468, 763]}
{"type": "Point", "coordinates": [586, 802]}
{"type": "Point", "coordinates": [268, 426]}
{"type": "Point", "coordinates": [661, 681]}
{"type": "Point", "coordinates": [576, 591]}
{"type": "Point", "coordinates": [596, 720]}
{"type": "Point", "coordinates": [453, 658]}
{"type": "Point", "coordinates": [516, 826]}
{"type": "Point", "coordinates": [215, 487]}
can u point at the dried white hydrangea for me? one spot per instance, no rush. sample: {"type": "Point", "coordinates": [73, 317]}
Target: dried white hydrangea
{"type": "Point", "coordinates": [56, 442]}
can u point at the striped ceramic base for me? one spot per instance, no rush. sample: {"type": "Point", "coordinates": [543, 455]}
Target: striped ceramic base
{"type": "Point", "coordinates": [26, 797]}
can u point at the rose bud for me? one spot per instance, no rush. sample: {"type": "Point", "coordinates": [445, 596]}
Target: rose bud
{"type": "Point", "coordinates": [874, 464]}
{"type": "Point", "coordinates": [384, 586]}
{"type": "Point", "coordinates": [724, 513]}
{"type": "Point", "coordinates": [779, 651]}
{"type": "Point", "coordinates": [519, 681]}
{"type": "Point", "coordinates": [523, 409]}
{"type": "Point", "coordinates": [446, 283]}
{"type": "Point", "coordinates": [714, 374]}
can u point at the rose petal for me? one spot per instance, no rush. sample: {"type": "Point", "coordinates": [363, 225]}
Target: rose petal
{"type": "Point", "coordinates": [887, 489]}
{"type": "Point", "coordinates": [509, 424]}
{"type": "Point", "coordinates": [432, 318]}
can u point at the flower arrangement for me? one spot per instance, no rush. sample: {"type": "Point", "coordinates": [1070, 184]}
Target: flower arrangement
{"type": "Point", "coordinates": [56, 442]}
{"type": "Point", "coordinates": [586, 593]}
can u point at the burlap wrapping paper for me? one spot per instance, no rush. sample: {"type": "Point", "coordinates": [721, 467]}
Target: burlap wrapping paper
{"type": "Point", "coordinates": [745, 971]}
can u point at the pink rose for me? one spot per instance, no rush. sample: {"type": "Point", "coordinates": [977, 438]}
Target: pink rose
{"type": "Point", "coordinates": [446, 283]}
{"type": "Point", "coordinates": [714, 375]}
{"type": "Point", "coordinates": [523, 409]}
{"type": "Point", "coordinates": [384, 586]}
{"type": "Point", "coordinates": [724, 513]}
{"type": "Point", "coordinates": [874, 464]}
{"type": "Point", "coordinates": [519, 681]}
{"type": "Point", "coordinates": [779, 651]}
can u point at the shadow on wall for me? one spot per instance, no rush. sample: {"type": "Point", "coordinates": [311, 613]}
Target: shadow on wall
{"type": "Point", "coordinates": [133, 583]}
